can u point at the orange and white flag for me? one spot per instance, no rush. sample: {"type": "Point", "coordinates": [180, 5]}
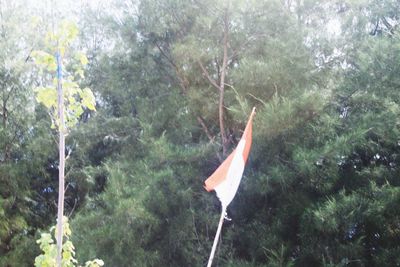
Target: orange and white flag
{"type": "Point", "coordinates": [226, 179]}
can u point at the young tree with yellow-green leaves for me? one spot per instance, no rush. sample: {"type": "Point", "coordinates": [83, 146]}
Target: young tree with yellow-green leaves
{"type": "Point", "coordinates": [63, 98]}
{"type": "Point", "coordinates": [49, 259]}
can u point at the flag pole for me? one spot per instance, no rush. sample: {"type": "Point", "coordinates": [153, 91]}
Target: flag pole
{"type": "Point", "coordinates": [214, 247]}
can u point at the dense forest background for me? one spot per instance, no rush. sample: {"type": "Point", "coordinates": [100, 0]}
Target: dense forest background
{"type": "Point", "coordinates": [322, 184]}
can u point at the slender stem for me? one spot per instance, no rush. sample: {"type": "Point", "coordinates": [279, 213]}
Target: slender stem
{"type": "Point", "coordinates": [205, 129]}
{"type": "Point", "coordinates": [61, 166]}
{"type": "Point", "coordinates": [214, 247]}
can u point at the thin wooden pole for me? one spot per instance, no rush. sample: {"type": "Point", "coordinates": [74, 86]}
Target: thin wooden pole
{"type": "Point", "coordinates": [61, 166]}
{"type": "Point", "coordinates": [216, 238]}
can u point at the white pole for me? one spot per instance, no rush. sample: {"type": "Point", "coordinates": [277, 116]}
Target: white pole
{"type": "Point", "coordinates": [61, 166]}
{"type": "Point", "coordinates": [214, 247]}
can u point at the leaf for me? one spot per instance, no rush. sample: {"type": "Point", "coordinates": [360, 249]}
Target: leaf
{"type": "Point", "coordinates": [88, 99]}
{"type": "Point", "coordinates": [82, 58]}
{"type": "Point", "coordinates": [47, 96]}
{"type": "Point", "coordinates": [67, 33]}
{"type": "Point", "coordinates": [44, 60]}
{"type": "Point", "coordinates": [69, 85]}
{"type": "Point", "coordinates": [76, 110]}
{"type": "Point", "coordinates": [70, 29]}
{"type": "Point", "coordinates": [94, 263]}
{"type": "Point", "coordinates": [80, 73]}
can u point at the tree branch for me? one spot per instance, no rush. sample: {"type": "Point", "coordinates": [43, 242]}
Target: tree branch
{"type": "Point", "coordinates": [9, 94]}
{"type": "Point", "coordinates": [183, 82]}
{"type": "Point", "coordinates": [388, 25]}
{"type": "Point", "coordinates": [207, 75]}
{"type": "Point", "coordinates": [205, 129]}
{"type": "Point", "coordinates": [376, 28]}
{"type": "Point", "coordinates": [224, 138]}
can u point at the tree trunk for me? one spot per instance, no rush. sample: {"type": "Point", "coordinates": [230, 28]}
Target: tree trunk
{"type": "Point", "coordinates": [224, 138]}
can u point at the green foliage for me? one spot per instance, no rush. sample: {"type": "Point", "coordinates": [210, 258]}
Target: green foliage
{"type": "Point", "coordinates": [18, 135]}
{"type": "Point", "coordinates": [147, 220]}
{"type": "Point", "coordinates": [321, 185]}
{"type": "Point", "coordinates": [75, 98]}
{"type": "Point", "coordinates": [64, 115]}
{"type": "Point", "coordinates": [49, 250]}
{"type": "Point", "coordinates": [44, 60]}
{"type": "Point", "coordinates": [279, 258]}
{"type": "Point", "coordinates": [316, 143]}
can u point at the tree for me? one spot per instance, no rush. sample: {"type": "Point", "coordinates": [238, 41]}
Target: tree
{"type": "Point", "coordinates": [69, 100]}
{"type": "Point", "coordinates": [149, 184]}
{"type": "Point", "coordinates": [367, 103]}
{"type": "Point", "coordinates": [16, 133]}
{"type": "Point", "coordinates": [48, 258]}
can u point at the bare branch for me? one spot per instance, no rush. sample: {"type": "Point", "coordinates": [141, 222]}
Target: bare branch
{"type": "Point", "coordinates": [29, 55]}
{"type": "Point", "coordinates": [376, 27]}
{"type": "Point", "coordinates": [207, 75]}
{"type": "Point", "coordinates": [218, 68]}
{"type": "Point", "coordinates": [73, 208]}
{"type": "Point", "coordinates": [388, 25]}
{"type": "Point", "coordinates": [224, 138]}
{"type": "Point", "coordinates": [205, 129]}
{"type": "Point", "coordinates": [13, 87]}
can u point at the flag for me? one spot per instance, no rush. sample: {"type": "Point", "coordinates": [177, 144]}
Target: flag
{"type": "Point", "coordinates": [226, 178]}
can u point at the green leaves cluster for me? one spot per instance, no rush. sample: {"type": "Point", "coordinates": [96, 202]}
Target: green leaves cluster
{"type": "Point", "coordinates": [49, 250]}
{"type": "Point", "coordinates": [76, 99]}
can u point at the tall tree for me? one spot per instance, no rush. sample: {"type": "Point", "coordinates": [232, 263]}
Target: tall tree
{"type": "Point", "coordinates": [16, 131]}
{"type": "Point", "coordinates": [66, 104]}
{"type": "Point", "coordinates": [158, 74]}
